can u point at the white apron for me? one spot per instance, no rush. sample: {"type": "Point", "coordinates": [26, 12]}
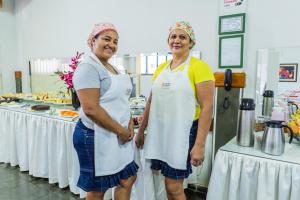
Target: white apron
{"type": "Point", "coordinates": [111, 155]}
{"type": "Point", "coordinates": [171, 116]}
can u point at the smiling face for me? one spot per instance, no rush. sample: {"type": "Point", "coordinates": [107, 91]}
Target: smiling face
{"type": "Point", "coordinates": [105, 45]}
{"type": "Point", "coordinates": [179, 42]}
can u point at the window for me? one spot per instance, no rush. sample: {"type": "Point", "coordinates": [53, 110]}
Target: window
{"type": "Point", "coordinates": [161, 59]}
{"type": "Point", "coordinates": [169, 56]}
{"type": "Point", "coordinates": [143, 64]}
{"type": "Point", "coordinates": [151, 63]}
{"type": "Point", "coordinates": [117, 61]}
{"type": "Point", "coordinates": [48, 66]}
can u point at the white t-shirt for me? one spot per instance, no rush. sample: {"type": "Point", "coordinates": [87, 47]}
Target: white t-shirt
{"type": "Point", "coordinates": [90, 74]}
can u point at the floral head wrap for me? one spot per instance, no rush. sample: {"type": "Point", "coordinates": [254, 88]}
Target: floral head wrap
{"type": "Point", "coordinates": [100, 28]}
{"type": "Point", "coordinates": [185, 26]}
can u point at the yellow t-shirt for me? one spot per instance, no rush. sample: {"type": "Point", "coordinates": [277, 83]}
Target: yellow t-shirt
{"type": "Point", "coordinates": [198, 72]}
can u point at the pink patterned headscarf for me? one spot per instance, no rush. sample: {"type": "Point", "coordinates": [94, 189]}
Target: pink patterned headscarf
{"type": "Point", "coordinates": [100, 28]}
{"type": "Point", "coordinates": [186, 27]}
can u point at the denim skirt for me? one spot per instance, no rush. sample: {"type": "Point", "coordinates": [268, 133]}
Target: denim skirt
{"type": "Point", "coordinates": [173, 173]}
{"type": "Point", "coordinates": [83, 141]}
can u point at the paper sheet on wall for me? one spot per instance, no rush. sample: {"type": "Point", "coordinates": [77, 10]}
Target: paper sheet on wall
{"type": "Point", "coordinates": [231, 52]}
{"type": "Point", "coordinates": [232, 24]}
{"type": "Point", "coordinates": [232, 6]}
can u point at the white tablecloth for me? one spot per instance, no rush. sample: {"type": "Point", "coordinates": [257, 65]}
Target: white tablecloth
{"type": "Point", "coordinates": [245, 173]}
{"type": "Point", "coordinates": [42, 144]}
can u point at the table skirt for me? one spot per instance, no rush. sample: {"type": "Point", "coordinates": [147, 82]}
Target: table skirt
{"type": "Point", "coordinates": [243, 177]}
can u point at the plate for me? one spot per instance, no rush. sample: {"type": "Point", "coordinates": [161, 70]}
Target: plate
{"type": "Point", "coordinates": [68, 113]}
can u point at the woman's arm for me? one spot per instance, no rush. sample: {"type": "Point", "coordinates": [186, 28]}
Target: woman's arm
{"type": "Point", "coordinates": [140, 137]}
{"type": "Point", "coordinates": [205, 97]}
{"type": "Point", "coordinates": [144, 123]}
{"type": "Point", "coordinates": [89, 100]}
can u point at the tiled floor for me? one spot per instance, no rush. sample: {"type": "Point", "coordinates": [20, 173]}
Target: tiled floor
{"type": "Point", "coordinates": [16, 185]}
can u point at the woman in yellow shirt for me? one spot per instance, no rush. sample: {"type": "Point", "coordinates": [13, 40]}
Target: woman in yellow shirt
{"type": "Point", "coordinates": [181, 100]}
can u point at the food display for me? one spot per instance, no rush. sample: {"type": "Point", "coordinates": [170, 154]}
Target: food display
{"type": "Point", "coordinates": [49, 104]}
{"type": "Point", "coordinates": [294, 123]}
{"type": "Point", "coordinates": [137, 106]}
{"type": "Point", "coordinates": [40, 107]}
{"type": "Point", "coordinates": [53, 104]}
{"type": "Point", "coordinates": [9, 97]}
{"type": "Point", "coordinates": [58, 98]}
{"type": "Point", "coordinates": [58, 101]}
{"type": "Point", "coordinates": [68, 113]}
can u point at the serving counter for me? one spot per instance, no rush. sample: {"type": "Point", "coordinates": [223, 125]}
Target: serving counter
{"type": "Point", "coordinates": [247, 173]}
{"type": "Point", "coordinates": [41, 144]}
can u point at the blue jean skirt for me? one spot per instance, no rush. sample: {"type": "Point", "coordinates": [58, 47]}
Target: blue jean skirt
{"type": "Point", "coordinates": [173, 173]}
{"type": "Point", "coordinates": [83, 141]}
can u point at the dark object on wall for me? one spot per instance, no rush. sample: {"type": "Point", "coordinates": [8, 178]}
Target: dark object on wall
{"type": "Point", "coordinates": [75, 100]}
{"type": "Point", "coordinates": [226, 107]}
{"type": "Point", "coordinates": [18, 77]}
{"type": "Point", "coordinates": [228, 79]}
{"type": "Point", "coordinates": [1, 3]}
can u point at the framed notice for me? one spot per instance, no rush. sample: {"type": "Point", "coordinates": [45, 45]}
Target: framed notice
{"type": "Point", "coordinates": [232, 24]}
{"type": "Point", "coordinates": [231, 51]}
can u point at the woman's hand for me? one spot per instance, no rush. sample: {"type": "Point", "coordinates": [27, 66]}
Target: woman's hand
{"type": "Point", "coordinates": [197, 155]}
{"type": "Point", "coordinates": [139, 140]}
{"type": "Point", "coordinates": [131, 128]}
{"type": "Point", "coordinates": [125, 135]}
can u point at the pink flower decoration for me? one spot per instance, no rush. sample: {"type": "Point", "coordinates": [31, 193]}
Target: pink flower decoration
{"type": "Point", "coordinates": [67, 77]}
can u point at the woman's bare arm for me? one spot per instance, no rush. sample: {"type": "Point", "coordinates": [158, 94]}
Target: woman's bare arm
{"type": "Point", "coordinates": [89, 100]}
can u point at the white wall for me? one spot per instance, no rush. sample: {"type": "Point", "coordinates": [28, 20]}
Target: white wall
{"type": "Point", "coordinates": [270, 24]}
{"type": "Point", "coordinates": [8, 46]}
{"type": "Point", "coordinates": [59, 28]}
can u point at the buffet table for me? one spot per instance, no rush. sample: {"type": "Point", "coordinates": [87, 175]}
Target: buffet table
{"type": "Point", "coordinates": [42, 143]}
{"type": "Point", "coordinates": [248, 174]}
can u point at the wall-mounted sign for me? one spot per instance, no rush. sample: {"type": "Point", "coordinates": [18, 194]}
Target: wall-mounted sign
{"type": "Point", "coordinates": [232, 24]}
{"type": "Point", "coordinates": [231, 51]}
{"type": "Point", "coordinates": [232, 6]}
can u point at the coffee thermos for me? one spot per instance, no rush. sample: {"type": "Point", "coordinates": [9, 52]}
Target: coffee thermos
{"type": "Point", "coordinates": [245, 129]}
{"type": "Point", "coordinates": [273, 140]}
{"type": "Point", "coordinates": [268, 103]}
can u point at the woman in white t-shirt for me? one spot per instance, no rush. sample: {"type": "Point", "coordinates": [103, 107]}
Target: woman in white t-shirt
{"type": "Point", "coordinates": [103, 135]}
